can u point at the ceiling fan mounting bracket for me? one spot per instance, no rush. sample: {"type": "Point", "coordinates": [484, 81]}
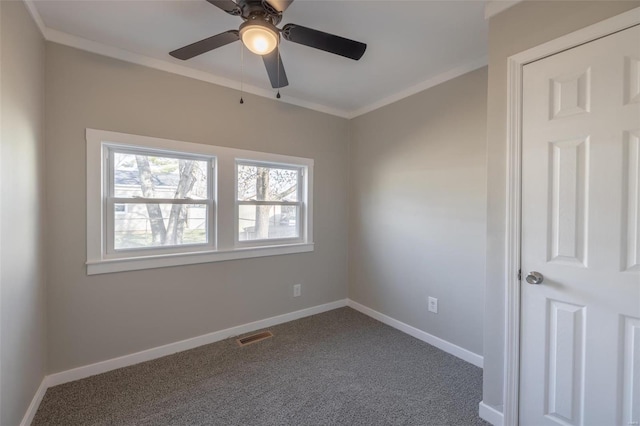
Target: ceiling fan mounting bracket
{"type": "Point", "coordinates": [286, 31]}
{"type": "Point", "coordinates": [234, 12]}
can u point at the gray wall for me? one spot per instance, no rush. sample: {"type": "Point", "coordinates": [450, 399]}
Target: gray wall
{"type": "Point", "coordinates": [519, 28]}
{"type": "Point", "coordinates": [98, 317]}
{"type": "Point", "coordinates": [417, 213]}
{"type": "Point", "coordinates": [23, 340]}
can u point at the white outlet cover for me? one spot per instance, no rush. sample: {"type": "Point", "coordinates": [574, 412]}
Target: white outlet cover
{"type": "Point", "coordinates": [297, 289]}
{"type": "Point", "coordinates": [433, 305]}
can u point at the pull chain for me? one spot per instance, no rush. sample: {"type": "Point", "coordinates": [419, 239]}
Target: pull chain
{"type": "Point", "coordinates": [241, 72]}
{"type": "Point", "coordinates": [278, 47]}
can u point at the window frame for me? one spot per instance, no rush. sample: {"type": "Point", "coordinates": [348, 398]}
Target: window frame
{"type": "Point", "coordinates": [301, 221]}
{"type": "Point", "coordinates": [222, 244]}
{"type": "Point", "coordinates": [110, 200]}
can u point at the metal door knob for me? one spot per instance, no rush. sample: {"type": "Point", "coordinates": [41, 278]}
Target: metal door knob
{"type": "Point", "coordinates": [535, 277]}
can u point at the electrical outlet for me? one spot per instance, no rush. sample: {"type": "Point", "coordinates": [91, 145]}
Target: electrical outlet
{"type": "Point", "coordinates": [433, 305]}
{"type": "Point", "coordinates": [297, 289]}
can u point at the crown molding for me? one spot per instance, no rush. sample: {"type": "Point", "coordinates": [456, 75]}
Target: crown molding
{"type": "Point", "coordinates": [427, 84]}
{"type": "Point", "coordinates": [81, 43]}
{"type": "Point", "coordinates": [33, 11]}
{"type": "Point", "coordinates": [66, 39]}
{"type": "Point", "coordinates": [493, 7]}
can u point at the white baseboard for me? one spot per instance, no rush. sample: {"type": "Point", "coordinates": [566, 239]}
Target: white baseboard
{"type": "Point", "coordinates": [490, 414]}
{"type": "Point", "coordinates": [439, 343]}
{"type": "Point", "coordinates": [35, 403]}
{"type": "Point", "coordinates": [183, 345]}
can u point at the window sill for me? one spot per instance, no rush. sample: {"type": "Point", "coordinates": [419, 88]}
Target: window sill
{"type": "Point", "coordinates": [105, 266]}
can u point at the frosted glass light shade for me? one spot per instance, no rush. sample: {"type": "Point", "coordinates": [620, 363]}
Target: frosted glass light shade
{"type": "Point", "coordinates": [259, 39]}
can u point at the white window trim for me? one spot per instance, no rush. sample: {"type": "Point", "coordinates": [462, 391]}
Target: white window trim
{"type": "Point", "coordinates": [225, 246]}
{"type": "Point", "coordinates": [302, 196]}
{"type": "Point", "coordinates": [109, 201]}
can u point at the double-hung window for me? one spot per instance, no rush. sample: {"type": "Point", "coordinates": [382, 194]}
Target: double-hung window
{"type": "Point", "coordinates": [269, 202]}
{"type": "Point", "coordinates": [156, 202]}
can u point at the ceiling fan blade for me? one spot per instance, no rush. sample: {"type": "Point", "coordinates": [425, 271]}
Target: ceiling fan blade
{"type": "Point", "coordinates": [203, 46]}
{"type": "Point", "coordinates": [228, 6]}
{"type": "Point", "coordinates": [273, 63]}
{"type": "Point", "coordinates": [324, 41]}
{"type": "Point", "coordinates": [280, 5]}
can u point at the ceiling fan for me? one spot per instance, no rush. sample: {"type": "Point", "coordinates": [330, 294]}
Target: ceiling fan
{"type": "Point", "coordinates": [260, 35]}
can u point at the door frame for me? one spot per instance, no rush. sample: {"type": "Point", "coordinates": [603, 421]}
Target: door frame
{"type": "Point", "coordinates": [515, 66]}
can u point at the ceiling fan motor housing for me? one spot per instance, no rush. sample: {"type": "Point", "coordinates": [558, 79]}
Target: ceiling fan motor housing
{"type": "Point", "coordinates": [259, 10]}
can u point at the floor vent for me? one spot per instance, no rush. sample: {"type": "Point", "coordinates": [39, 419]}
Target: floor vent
{"type": "Point", "coordinates": [254, 338]}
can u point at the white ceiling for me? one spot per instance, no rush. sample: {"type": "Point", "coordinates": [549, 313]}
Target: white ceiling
{"type": "Point", "coordinates": [411, 44]}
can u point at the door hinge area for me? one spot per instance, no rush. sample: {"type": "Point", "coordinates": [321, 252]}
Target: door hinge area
{"type": "Point", "coordinates": [519, 274]}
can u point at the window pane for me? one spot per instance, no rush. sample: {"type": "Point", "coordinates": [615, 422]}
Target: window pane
{"type": "Point", "coordinates": [267, 183]}
{"type": "Point", "coordinates": [158, 225]}
{"type": "Point", "coordinates": [267, 222]}
{"type": "Point", "coordinates": [153, 176]}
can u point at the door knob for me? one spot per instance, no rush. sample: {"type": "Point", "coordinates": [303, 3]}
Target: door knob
{"type": "Point", "coordinates": [535, 277]}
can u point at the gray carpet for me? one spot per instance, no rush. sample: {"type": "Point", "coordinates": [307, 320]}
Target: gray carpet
{"type": "Point", "coordinates": [335, 368]}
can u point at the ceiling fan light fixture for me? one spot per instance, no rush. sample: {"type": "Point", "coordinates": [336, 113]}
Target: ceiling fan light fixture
{"type": "Point", "coordinates": [260, 37]}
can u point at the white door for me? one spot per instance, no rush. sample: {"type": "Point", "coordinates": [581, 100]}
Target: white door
{"type": "Point", "coordinates": [580, 336]}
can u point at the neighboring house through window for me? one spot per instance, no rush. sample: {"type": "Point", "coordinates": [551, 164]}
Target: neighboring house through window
{"type": "Point", "coordinates": [161, 201]}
